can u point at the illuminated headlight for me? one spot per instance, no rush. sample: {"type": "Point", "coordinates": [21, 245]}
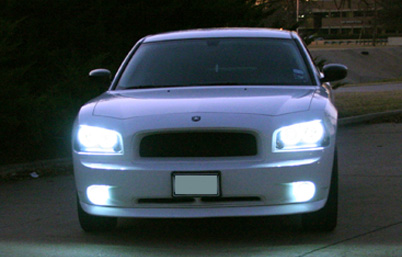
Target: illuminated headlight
{"type": "Point", "coordinates": [301, 136]}
{"type": "Point", "coordinates": [98, 140]}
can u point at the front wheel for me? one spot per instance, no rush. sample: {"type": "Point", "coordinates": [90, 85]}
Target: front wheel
{"type": "Point", "coordinates": [325, 219]}
{"type": "Point", "coordinates": [92, 223]}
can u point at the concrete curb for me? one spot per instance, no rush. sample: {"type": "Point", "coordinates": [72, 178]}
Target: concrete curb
{"type": "Point", "coordinates": [67, 162]}
{"type": "Point", "coordinates": [367, 117]}
{"type": "Point", "coordinates": [32, 166]}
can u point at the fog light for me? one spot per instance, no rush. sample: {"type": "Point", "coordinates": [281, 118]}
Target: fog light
{"type": "Point", "coordinates": [98, 194]}
{"type": "Point", "coordinates": [303, 191]}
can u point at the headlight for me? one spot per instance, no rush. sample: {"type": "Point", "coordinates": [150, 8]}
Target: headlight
{"type": "Point", "coordinates": [301, 136]}
{"type": "Point", "coordinates": [98, 140]}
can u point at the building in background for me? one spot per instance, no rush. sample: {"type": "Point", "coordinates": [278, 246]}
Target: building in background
{"type": "Point", "coordinates": [342, 19]}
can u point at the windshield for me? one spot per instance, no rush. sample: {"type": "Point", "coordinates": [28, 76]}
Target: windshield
{"type": "Point", "coordinates": [232, 61]}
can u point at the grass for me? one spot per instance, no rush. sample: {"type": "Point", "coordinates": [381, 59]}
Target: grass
{"type": "Point", "coordinates": [359, 103]}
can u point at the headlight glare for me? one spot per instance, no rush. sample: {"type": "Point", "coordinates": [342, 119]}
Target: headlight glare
{"type": "Point", "coordinates": [303, 191]}
{"type": "Point", "coordinates": [313, 132]}
{"type": "Point", "coordinates": [98, 140]}
{"type": "Point", "coordinates": [291, 135]}
{"type": "Point", "coordinates": [98, 194]}
{"type": "Point", "coordinates": [306, 135]}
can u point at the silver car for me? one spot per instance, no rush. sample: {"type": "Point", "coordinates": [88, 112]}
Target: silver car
{"type": "Point", "coordinates": [210, 123]}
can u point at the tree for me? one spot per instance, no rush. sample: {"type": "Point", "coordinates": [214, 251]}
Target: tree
{"type": "Point", "coordinates": [390, 15]}
{"type": "Point", "coordinates": [47, 48]}
{"type": "Point", "coordinates": [387, 13]}
{"type": "Point", "coordinates": [282, 14]}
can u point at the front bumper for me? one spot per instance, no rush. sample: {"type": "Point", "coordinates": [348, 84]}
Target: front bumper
{"type": "Point", "coordinates": [248, 188]}
{"type": "Point", "coordinates": [203, 212]}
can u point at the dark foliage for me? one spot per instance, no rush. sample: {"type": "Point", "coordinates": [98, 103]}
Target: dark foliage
{"type": "Point", "coordinates": [47, 48]}
{"type": "Point", "coordinates": [390, 15]}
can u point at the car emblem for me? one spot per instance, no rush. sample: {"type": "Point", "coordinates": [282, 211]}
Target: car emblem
{"type": "Point", "coordinates": [196, 118]}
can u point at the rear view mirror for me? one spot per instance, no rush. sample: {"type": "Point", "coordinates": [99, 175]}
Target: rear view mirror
{"type": "Point", "coordinates": [333, 72]}
{"type": "Point", "coordinates": [101, 76]}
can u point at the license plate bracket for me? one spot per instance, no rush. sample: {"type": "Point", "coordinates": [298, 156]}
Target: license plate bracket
{"type": "Point", "coordinates": [196, 184]}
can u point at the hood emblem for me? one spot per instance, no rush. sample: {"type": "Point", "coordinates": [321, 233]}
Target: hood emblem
{"type": "Point", "coordinates": [196, 118]}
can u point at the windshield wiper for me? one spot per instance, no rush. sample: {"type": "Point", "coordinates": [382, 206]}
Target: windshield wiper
{"type": "Point", "coordinates": [218, 83]}
{"type": "Point", "coordinates": [153, 86]}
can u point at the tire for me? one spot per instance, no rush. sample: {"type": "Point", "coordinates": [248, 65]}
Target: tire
{"type": "Point", "coordinates": [92, 223]}
{"type": "Point", "coordinates": [325, 219]}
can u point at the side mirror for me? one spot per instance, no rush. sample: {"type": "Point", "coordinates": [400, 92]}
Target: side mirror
{"type": "Point", "coordinates": [334, 72]}
{"type": "Point", "coordinates": [101, 76]}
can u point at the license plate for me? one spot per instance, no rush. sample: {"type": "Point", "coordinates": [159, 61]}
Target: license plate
{"type": "Point", "coordinates": [190, 184]}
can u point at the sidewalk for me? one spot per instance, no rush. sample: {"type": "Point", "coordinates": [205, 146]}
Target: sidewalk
{"type": "Point", "coordinates": [371, 88]}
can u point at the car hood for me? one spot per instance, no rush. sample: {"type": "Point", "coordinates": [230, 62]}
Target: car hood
{"type": "Point", "coordinates": [263, 100]}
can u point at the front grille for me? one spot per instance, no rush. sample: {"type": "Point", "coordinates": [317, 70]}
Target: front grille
{"type": "Point", "coordinates": [192, 200]}
{"type": "Point", "coordinates": [165, 200]}
{"type": "Point", "coordinates": [198, 144]}
{"type": "Point", "coordinates": [230, 199]}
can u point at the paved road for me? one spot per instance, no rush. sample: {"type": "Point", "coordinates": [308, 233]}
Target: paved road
{"type": "Point", "coordinates": [38, 216]}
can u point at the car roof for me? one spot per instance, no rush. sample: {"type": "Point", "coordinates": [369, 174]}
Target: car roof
{"type": "Point", "coordinates": [221, 33]}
